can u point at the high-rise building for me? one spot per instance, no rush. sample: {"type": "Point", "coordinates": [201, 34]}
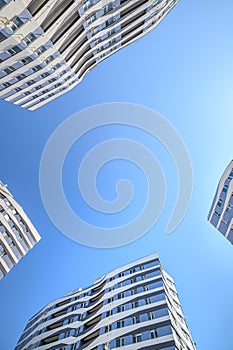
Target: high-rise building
{"type": "Point", "coordinates": [48, 46]}
{"type": "Point", "coordinates": [17, 234]}
{"type": "Point", "coordinates": [133, 307]}
{"type": "Point", "coordinates": [221, 212]}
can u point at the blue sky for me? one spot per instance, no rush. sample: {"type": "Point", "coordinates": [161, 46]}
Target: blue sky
{"type": "Point", "coordinates": [183, 70]}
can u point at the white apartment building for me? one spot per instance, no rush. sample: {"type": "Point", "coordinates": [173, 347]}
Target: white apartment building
{"type": "Point", "coordinates": [17, 234]}
{"type": "Point", "coordinates": [133, 307]}
{"type": "Point", "coordinates": [48, 46]}
{"type": "Point", "coordinates": [221, 212]}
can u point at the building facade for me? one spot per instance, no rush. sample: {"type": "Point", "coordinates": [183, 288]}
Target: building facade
{"type": "Point", "coordinates": [48, 46]}
{"type": "Point", "coordinates": [17, 234]}
{"type": "Point", "coordinates": [221, 212]}
{"type": "Point", "coordinates": [133, 307]}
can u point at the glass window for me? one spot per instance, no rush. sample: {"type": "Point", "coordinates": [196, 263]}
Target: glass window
{"type": "Point", "coordinates": [120, 323]}
{"type": "Point", "coordinates": [120, 308]}
{"type": "Point", "coordinates": [9, 69]}
{"type": "Point", "coordinates": [165, 330]}
{"type": "Point", "coordinates": [158, 297]}
{"type": "Point", "coordinates": [120, 342]}
{"type": "Point", "coordinates": [108, 8]}
{"type": "Point", "coordinates": [153, 274]}
{"type": "Point", "coordinates": [2, 36]}
{"type": "Point", "coordinates": [153, 333]}
{"type": "Point", "coordinates": [28, 39]}
{"type": "Point", "coordinates": [13, 50]}
{"type": "Point", "coordinates": [135, 304]}
{"type": "Point", "coordinates": [16, 23]}
{"type": "Point", "coordinates": [136, 319]}
{"type": "Point", "coordinates": [161, 312]}
{"type": "Point", "coordinates": [2, 3]}
{"type": "Point", "coordinates": [151, 315]}
{"type": "Point", "coordinates": [151, 264]}
{"type": "Point", "coordinates": [137, 338]}
{"type": "Point", "coordinates": [26, 60]}
{"type": "Point", "coordinates": [230, 236]}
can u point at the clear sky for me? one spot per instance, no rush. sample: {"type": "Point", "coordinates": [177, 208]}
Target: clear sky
{"type": "Point", "coordinates": [183, 70]}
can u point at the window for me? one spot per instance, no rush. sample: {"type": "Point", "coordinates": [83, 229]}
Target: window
{"type": "Point", "coordinates": [16, 23]}
{"type": "Point", "coordinates": [120, 295]}
{"type": "Point", "coordinates": [225, 221]}
{"type": "Point", "coordinates": [153, 333]}
{"type": "Point", "coordinates": [107, 328]}
{"type": "Point", "coordinates": [120, 323]}
{"type": "Point", "coordinates": [134, 291]}
{"type": "Point", "coordinates": [87, 5]}
{"type": "Point", "coordinates": [40, 50]}
{"type": "Point", "coordinates": [51, 80]}
{"type": "Point", "coordinates": [148, 301]}
{"type": "Point", "coordinates": [136, 319]}
{"type": "Point", "coordinates": [164, 312]}
{"type": "Point", "coordinates": [111, 20]}
{"type": "Point", "coordinates": [6, 84]}
{"type": "Point", "coordinates": [49, 59]}
{"type": "Point", "coordinates": [165, 330]}
{"type": "Point", "coordinates": [36, 68]}
{"type": "Point", "coordinates": [120, 342]}
{"type": "Point", "coordinates": [2, 36]}
{"type": "Point", "coordinates": [30, 82]}
{"type": "Point", "coordinates": [108, 8]}
{"type": "Point", "coordinates": [225, 188]}
{"type": "Point", "coordinates": [151, 315]}
{"type": "Point", "coordinates": [45, 74]}
{"type": "Point", "coordinates": [8, 70]}
{"type": "Point", "coordinates": [2, 3]}
{"type": "Point", "coordinates": [13, 50]}
{"type": "Point", "coordinates": [109, 313]}
{"type": "Point", "coordinates": [21, 76]}
{"type": "Point", "coordinates": [91, 19]}
{"type": "Point", "coordinates": [28, 39]}
{"type": "Point", "coordinates": [135, 304]}
{"type": "Point", "coordinates": [26, 60]}
{"type": "Point", "coordinates": [230, 236]}
{"type": "Point", "coordinates": [137, 338]}
{"type": "Point", "coordinates": [120, 308]}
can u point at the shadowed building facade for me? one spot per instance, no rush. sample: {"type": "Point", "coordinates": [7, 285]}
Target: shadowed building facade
{"type": "Point", "coordinates": [221, 212]}
{"type": "Point", "coordinates": [17, 234]}
{"type": "Point", "coordinates": [48, 46]}
{"type": "Point", "coordinates": [133, 307]}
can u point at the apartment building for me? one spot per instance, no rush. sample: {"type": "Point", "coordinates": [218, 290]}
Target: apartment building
{"type": "Point", "coordinates": [48, 46]}
{"type": "Point", "coordinates": [133, 307]}
{"type": "Point", "coordinates": [17, 233]}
